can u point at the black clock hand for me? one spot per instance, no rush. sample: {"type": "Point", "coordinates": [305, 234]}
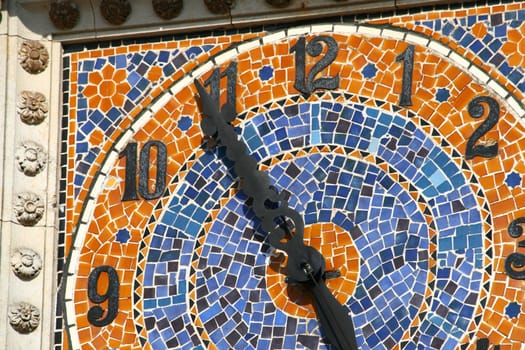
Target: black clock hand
{"type": "Point", "coordinates": [334, 317]}
{"type": "Point", "coordinates": [305, 264]}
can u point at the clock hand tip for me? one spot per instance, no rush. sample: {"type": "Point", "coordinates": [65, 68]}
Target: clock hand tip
{"type": "Point", "coordinates": [200, 88]}
{"type": "Point", "coordinates": [205, 101]}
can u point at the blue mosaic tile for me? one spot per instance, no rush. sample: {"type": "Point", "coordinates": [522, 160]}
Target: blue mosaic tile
{"type": "Point", "coordinates": [385, 220]}
{"type": "Point", "coordinates": [488, 47]}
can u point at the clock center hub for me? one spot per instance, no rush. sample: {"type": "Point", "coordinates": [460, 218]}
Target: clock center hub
{"type": "Point", "coordinates": [340, 253]}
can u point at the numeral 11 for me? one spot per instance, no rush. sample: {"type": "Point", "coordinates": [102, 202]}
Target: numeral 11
{"type": "Point", "coordinates": [214, 82]}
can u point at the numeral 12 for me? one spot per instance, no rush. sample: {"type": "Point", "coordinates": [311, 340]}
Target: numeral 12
{"type": "Point", "coordinates": [307, 83]}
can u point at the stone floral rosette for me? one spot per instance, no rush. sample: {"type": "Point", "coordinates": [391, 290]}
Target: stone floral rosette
{"type": "Point", "coordinates": [26, 263]}
{"type": "Point", "coordinates": [64, 14]}
{"type": "Point", "coordinates": [30, 158]}
{"type": "Point", "coordinates": [115, 11]}
{"type": "Point", "coordinates": [33, 56]}
{"type": "Point", "coordinates": [29, 208]}
{"type": "Point", "coordinates": [167, 9]}
{"type": "Point", "coordinates": [32, 107]}
{"type": "Point", "coordinates": [220, 7]}
{"type": "Point", "coordinates": [23, 317]}
{"type": "Point", "coordinates": [278, 3]}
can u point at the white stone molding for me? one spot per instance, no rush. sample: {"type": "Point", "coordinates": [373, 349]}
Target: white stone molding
{"type": "Point", "coordinates": [30, 109]}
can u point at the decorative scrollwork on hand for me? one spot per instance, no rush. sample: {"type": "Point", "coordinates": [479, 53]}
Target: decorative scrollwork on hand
{"type": "Point", "coordinates": [284, 225]}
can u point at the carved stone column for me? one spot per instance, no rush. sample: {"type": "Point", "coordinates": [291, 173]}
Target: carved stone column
{"type": "Point", "coordinates": [29, 110]}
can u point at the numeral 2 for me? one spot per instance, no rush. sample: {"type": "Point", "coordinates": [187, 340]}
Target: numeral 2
{"type": "Point", "coordinates": [515, 262]}
{"type": "Point", "coordinates": [476, 109]}
{"type": "Point", "coordinates": [130, 182]}
{"type": "Point", "coordinates": [307, 83]}
{"type": "Point", "coordinates": [95, 314]}
{"type": "Point", "coordinates": [405, 98]}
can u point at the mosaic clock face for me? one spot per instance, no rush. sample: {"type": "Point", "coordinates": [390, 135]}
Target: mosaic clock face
{"type": "Point", "coordinates": [404, 158]}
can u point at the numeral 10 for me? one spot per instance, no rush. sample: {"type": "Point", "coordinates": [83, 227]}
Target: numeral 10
{"type": "Point", "coordinates": [130, 183]}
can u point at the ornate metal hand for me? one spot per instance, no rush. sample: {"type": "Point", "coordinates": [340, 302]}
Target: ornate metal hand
{"type": "Point", "coordinates": [305, 264]}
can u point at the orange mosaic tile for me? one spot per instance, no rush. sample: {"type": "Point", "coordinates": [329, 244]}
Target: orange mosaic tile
{"type": "Point", "coordinates": [410, 202]}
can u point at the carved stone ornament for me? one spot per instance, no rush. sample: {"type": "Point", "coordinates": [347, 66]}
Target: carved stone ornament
{"type": "Point", "coordinates": [32, 107]}
{"type": "Point", "coordinates": [23, 317]}
{"type": "Point", "coordinates": [29, 208]}
{"type": "Point", "coordinates": [30, 158]}
{"type": "Point", "coordinates": [26, 263]}
{"type": "Point", "coordinates": [278, 3]}
{"type": "Point", "coordinates": [220, 7]}
{"type": "Point", "coordinates": [167, 9]}
{"type": "Point", "coordinates": [115, 11]}
{"type": "Point", "coordinates": [33, 56]}
{"type": "Point", "coordinates": [64, 14]}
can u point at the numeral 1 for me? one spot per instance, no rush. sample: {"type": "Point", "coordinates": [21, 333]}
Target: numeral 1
{"type": "Point", "coordinates": [307, 83]}
{"type": "Point", "coordinates": [130, 182]}
{"type": "Point", "coordinates": [407, 57]}
{"type": "Point", "coordinates": [111, 295]}
{"type": "Point", "coordinates": [214, 82]}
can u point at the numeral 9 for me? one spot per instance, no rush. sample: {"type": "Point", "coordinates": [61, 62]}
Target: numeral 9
{"type": "Point", "coordinates": [111, 295]}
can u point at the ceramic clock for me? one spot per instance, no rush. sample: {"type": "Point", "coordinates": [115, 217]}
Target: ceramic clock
{"type": "Point", "coordinates": [403, 156]}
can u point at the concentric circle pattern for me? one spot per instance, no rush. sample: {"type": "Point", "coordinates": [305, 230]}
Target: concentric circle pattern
{"type": "Point", "coordinates": [417, 229]}
{"type": "Point", "coordinates": [376, 175]}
